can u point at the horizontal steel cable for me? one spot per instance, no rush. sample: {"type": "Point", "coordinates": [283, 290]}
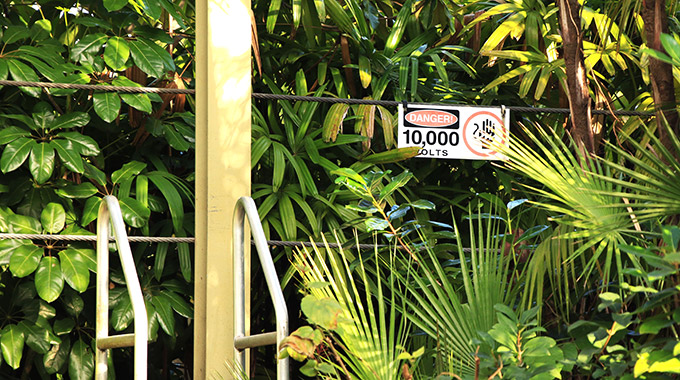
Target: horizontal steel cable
{"type": "Point", "coordinates": [143, 239]}
{"type": "Point", "coordinates": [174, 239]}
{"type": "Point", "coordinates": [97, 87]}
{"type": "Point", "coordinates": [294, 98]}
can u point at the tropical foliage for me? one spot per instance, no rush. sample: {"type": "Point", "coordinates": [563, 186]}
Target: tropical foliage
{"type": "Point", "coordinates": [62, 150]}
{"type": "Point", "coordinates": [572, 240]}
{"type": "Point", "coordinates": [602, 187]}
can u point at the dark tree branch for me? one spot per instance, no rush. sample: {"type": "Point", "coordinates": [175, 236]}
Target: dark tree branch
{"type": "Point", "coordinates": [577, 84]}
{"type": "Point", "coordinates": [660, 73]}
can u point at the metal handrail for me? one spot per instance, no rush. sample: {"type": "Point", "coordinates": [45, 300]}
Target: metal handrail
{"type": "Point", "coordinates": [111, 216]}
{"type": "Point", "coordinates": [245, 206]}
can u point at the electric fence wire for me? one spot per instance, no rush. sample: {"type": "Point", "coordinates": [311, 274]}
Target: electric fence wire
{"type": "Point", "coordinates": [256, 95]}
{"type": "Point", "coordinates": [294, 98]}
{"type": "Point", "coordinates": [175, 239]}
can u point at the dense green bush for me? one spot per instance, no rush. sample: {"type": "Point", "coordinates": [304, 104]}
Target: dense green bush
{"type": "Point", "coordinates": [62, 150]}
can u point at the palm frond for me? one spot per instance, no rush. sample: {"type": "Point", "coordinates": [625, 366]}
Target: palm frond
{"type": "Point", "coordinates": [454, 317]}
{"type": "Point", "coordinates": [370, 329]}
{"type": "Point", "coordinates": [582, 198]}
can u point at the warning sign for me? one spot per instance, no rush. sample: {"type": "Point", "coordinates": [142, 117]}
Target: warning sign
{"type": "Point", "coordinates": [453, 132]}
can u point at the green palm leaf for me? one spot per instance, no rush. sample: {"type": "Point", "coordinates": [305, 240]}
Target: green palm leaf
{"type": "Point", "coordinates": [370, 329]}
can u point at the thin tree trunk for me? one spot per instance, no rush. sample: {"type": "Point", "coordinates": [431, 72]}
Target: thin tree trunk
{"type": "Point", "coordinates": [579, 98]}
{"type": "Point", "coordinates": [660, 73]}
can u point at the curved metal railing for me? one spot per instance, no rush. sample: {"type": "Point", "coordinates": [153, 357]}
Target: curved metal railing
{"type": "Point", "coordinates": [111, 216]}
{"type": "Point", "coordinates": [245, 206]}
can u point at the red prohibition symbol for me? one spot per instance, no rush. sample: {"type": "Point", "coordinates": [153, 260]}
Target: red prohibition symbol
{"type": "Point", "coordinates": [475, 120]}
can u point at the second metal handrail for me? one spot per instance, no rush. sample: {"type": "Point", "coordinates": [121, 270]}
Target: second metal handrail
{"type": "Point", "coordinates": [245, 206]}
{"type": "Point", "coordinates": [111, 216]}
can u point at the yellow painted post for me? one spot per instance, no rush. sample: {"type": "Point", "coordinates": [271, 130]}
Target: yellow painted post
{"type": "Point", "coordinates": [223, 91]}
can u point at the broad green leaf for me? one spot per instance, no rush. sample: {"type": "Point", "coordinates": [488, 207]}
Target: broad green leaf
{"type": "Point", "coordinates": [258, 148]}
{"type": "Point", "coordinates": [12, 342]}
{"type": "Point", "coordinates": [166, 317]}
{"type": "Point", "coordinates": [671, 46]}
{"type": "Point", "coordinates": [175, 139]}
{"type": "Point", "coordinates": [423, 204]}
{"type": "Point", "coordinates": [414, 77]}
{"type": "Point", "coordinates": [8, 246]}
{"type": "Point", "coordinates": [41, 68]}
{"type": "Point", "coordinates": [172, 197]}
{"type": "Point", "coordinates": [106, 105]}
{"type": "Point", "coordinates": [85, 144]}
{"type": "Point", "coordinates": [507, 76]}
{"type": "Point", "coordinates": [288, 219]}
{"type": "Point", "coordinates": [159, 259]}
{"type": "Point", "coordinates": [129, 170]}
{"type": "Point", "coordinates": [116, 53]}
{"type": "Point", "coordinates": [181, 306]}
{"type": "Point", "coordinates": [81, 360]}
{"type": "Point", "coordinates": [273, 14]}
{"type": "Point", "coordinates": [68, 154]}
{"type": "Point", "coordinates": [15, 153]}
{"type": "Point", "coordinates": [321, 71]}
{"type": "Point", "coordinates": [53, 218]}
{"type": "Point", "coordinates": [152, 9]}
{"type": "Point", "coordinates": [441, 69]}
{"type": "Point", "coordinates": [9, 134]}
{"type": "Point", "coordinates": [325, 312]}
{"type": "Point", "coordinates": [90, 211]}
{"type": "Point", "coordinates": [364, 71]}
{"type": "Point", "coordinates": [146, 59]}
{"type": "Point", "coordinates": [333, 122]}
{"type": "Point", "coordinates": [184, 256]}
{"type": "Point", "coordinates": [397, 29]}
{"type": "Point", "coordinates": [341, 19]}
{"type": "Point", "coordinates": [20, 71]}
{"type": "Point", "coordinates": [376, 224]}
{"type": "Point", "coordinates": [41, 162]}
{"type": "Point", "coordinates": [70, 120]}
{"type": "Point", "coordinates": [152, 319]}
{"type": "Point", "coordinates": [88, 45]}
{"type": "Point", "coordinates": [35, 308]}
{"type": "Point", "coordinates": [23, 224]}
{"type": "Point", "coordinates": [25, 260]}
{"type": "Point", "coordinates": [162, 53]}
{"type": "Point", "coordinates": [82, 190]}
{"type": "Point", "coordinates": [279, 166]}
{"type": "Point", "coordinates": [92, 172]}
{"type": "Point", "coordinates": [89, 256]}
{"type": "Point", "coordinates": [77, 78]}
{"type": "Point", "coordinates": [74, 267]}
{"type": "Point", "coordinates": [63, 326]}
{"type": "Point", "coordinates": [114, 5]}
{"type": "Point", "coordinates": [56, 358]}
{"type": "Point", "coordinates": [24, 119]}
{"type": "Point", "coordinates": [396, 183]}
{"type": "Point", "coordinates": [349, 173]}
{"type": "Point", "coordinates": [138, 101]}
{"type": "Point", "coordinates": [15, 33]}
{"type": "Point", "coordinates": [134, 213]}
{"type": "Point", "coordinates": [93, 22]}
{"type": "Point", "coordinates": [38, 338]}
{"type": "Point", "coordinates": [387, 122]}
{"type": "Point", "coordinates": [49, 280]}
{"type": "Point", "coordinates": [297, 12]}
{"type": "Point", "coordinates": [390, 156]}
{"type": "Point", "coordinates": [122, 314]}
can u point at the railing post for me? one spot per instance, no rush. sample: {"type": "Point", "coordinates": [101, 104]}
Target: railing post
{"type": "Point", "coordinates": [109, 217]}
{"type": "Point", "coordinates": [245, 207]}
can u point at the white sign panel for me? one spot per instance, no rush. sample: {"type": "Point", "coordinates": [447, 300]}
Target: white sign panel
{"type": "Point", "coordinates": [453, 132]}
